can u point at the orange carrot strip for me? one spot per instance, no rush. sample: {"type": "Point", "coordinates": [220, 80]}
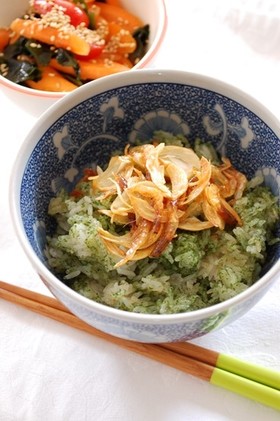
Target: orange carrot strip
{"type": "Point", "coordinates": [121, 39]}
{"type": "Point", "coordinates": [14, 37]}
{"type": "Point", "coordinates": [120, 15]}
{"type": "Point", "coordinates": [80, 4]}
{"type": "Point", "coordinates": [4, 38]}
{"type": "Point", "coordinates": [100, 68]}
{"type": "Point", "coordinates": [88, 2]}
{"type": "Point", "coordinates": [35, 30]}
{"type": "Point", "coordinates": [90, 70]}
{"type": "Point", "coordinates": [101, 25]}
{"type": "Point", "coordinates": [114, 3]}
{"type": "Point", "coordinates": [119, 58]}
{"type": "Point", "coordinates": [51, 81]}
{"type": "Point", "coordinates": [60, 68]}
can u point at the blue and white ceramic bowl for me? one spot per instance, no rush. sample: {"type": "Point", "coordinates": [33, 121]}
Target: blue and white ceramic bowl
{"type": "Point", "coordinates": [81, 129]}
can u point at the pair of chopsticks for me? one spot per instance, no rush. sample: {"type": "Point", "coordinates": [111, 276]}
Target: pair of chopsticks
{"type": "Point", "coordinates": [252, 381]}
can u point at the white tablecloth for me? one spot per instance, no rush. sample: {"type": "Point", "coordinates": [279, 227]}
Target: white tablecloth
{"type": "Point", "coordinates": [50, 372]}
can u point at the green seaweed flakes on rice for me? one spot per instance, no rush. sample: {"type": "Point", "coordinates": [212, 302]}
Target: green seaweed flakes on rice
{"type": "Point", "coordinates": [195, 270]}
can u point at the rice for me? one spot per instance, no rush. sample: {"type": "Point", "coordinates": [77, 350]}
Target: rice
{"type": "Point", "coordinates": [196, 270]}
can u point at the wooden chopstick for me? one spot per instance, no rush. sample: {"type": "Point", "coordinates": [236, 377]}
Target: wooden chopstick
{"type": "Point", "coordinates": [229, 363]}
{"type": "Point", "coordinates": [254, 382]}
{"type": "Point", "coordinates": [51, 308]}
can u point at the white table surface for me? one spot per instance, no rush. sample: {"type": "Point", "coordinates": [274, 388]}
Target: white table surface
{"type": "Point", "coordinates": [51, 372]}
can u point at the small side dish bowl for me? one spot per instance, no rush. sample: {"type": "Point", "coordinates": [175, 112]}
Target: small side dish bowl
{"type": "Point", "coordinates": [152, 13]}
{"type": "Point", "coordinates": [82, 129]}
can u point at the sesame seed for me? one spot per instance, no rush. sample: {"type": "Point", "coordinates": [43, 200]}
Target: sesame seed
{"type": "Point", "coordinates": [126, 44]}
{"type": "Point", "coordinates": [122, 21]}
{"type": "Point", "coordinates": [108, 62]}
{"type": "Point", "coordinates": [57, 19]}
{"type": "Point", "coordinates": [124, 32]}
{"type": "Point", "coordinates": [4, 69]}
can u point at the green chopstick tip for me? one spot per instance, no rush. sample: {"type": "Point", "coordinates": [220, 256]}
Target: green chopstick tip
{"type": "Point", "coordinates": [251, 371]}
{"type": "Point", "coordinates": [245, 387]}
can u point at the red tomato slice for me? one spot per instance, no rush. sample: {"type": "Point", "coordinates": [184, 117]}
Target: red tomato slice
{"type": "Point", "coordinates": [94, 52]}
{"type": "Point", "coordinates": [76, 14]}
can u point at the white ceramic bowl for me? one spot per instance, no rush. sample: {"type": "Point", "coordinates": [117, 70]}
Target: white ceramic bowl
{"type": "Point", "coordinates": [85, 125]}
{"type": "Point", "coordinates": [151, 12]}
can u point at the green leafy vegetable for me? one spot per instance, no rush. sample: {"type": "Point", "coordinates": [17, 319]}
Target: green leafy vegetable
{"type": "Point", "coordinates": [83, 5]}
{"type": "Point", "coordinates": [76, 80]}
{"type": "Point", "coordinates": [22, 59]}
{"type": "Point", "coordinates": [141, 36]}
{"type": "Point", "coordinates": [40, 52]}
{"type": "Point", "coordinates": [34, 54]}
{"type": "Point", "coordinates": [65, 58]}
{"type": "Point", "coordinates": [15, 49]}
{"type": "Point", "coordinates": [91, 17]}
{"type": "Point", "coordinates": [20, 71]}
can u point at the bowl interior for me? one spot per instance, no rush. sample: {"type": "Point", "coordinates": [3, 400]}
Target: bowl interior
{"type": "Point", "coordinates": [88, 131]}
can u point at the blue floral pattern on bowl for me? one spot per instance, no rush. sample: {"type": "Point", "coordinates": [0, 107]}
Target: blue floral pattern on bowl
{"type": "Point", "coordinates": [86, 135]}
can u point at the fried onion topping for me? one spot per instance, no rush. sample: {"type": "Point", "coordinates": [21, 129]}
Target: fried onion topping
{"type": "Point", "coordinates": [158, 189]}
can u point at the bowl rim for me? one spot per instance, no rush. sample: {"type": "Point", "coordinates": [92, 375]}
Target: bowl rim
{"type": "Point", "coordinates": [58, 109]}
{"type": "Point", "coordinates": [145, 61]}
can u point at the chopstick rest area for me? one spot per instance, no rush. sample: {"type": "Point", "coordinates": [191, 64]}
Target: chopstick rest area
{"type": "Point", "coordinates": [258, 383]}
